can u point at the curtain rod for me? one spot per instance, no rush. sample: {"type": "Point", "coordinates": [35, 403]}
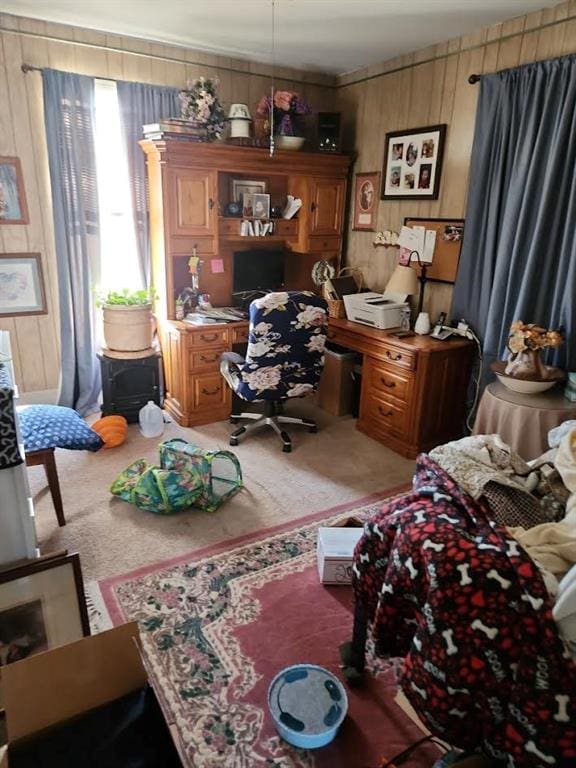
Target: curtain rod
{"type": "Point", "coordinates": [30, 68]}
{"type": "Point", "coordinates": [158, 57]}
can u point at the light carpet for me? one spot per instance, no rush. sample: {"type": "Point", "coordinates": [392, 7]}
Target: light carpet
{"type": "Point", "coordinates": [217, 625]}
{"type": "Point", "coordinates": [335, 466]}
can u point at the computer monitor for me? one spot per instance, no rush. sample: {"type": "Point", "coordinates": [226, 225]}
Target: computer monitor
{"type": "Point", "coordinates": [258, 270]}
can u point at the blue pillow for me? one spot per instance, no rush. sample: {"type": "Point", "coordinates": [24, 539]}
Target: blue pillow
{"type": "Point", "coordinates": [53, 426]}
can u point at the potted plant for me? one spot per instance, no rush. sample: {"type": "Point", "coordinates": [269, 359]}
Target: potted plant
{"type": "Point", "coordinates": [128, 321]}
{"type": "Point", "coordinates": [287, 111]}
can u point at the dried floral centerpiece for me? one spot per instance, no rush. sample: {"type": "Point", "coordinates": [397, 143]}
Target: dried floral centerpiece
{"type": "Point", "coordinates": [200, 105]}
{"type": "Point", "coordinates": [526, 341]}
{"type": "Point", "coordinates": [288, 110]}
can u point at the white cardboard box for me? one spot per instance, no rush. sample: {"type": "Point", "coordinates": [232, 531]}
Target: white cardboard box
{"type": "Point", "coordinates": [335, 551]}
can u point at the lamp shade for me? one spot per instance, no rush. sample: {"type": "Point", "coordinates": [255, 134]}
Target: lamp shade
{"type": "Point", "coordinates": [403, 280]}
{"type": "Point", "coordinates": [239, 112]}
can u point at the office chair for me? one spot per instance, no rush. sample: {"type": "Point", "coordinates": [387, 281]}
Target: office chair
{"type": "Point", "coordinates": [284, 360]}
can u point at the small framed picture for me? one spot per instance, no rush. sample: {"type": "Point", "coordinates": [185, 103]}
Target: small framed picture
{"type": "Point", "coordinates": [366, 189]}
{"type": "Point", "coordinates": [21, 285]}
{"type": "Point", "coordinates": [241, 187]}
{"type": "Point", "coordinates": [13, 207]}
{"type": "Point", "coordinates": [261, 206]}
{"type": "Point", "coordinates": [42, 606]}
{"type": "Point", "coordinates": [413, 163]}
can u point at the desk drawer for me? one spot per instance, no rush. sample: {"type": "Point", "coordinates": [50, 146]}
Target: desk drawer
{"type": "Point", "coordinates": [208, 389]}
{"type": "Point", "coordinates": [398, 357]}
{"type": "Point", "coordinates": [240, 335]}
{"type": "Point", "coordinates": [208, 337]}
{"type": "Point", "coordinates": [319, 244]}
{"type": "Point", "coordinates": [208, 359]}
{"type": "Point", "coordinates": [385, 414]}
{"type": "Point", "coordinates": [387, 381]}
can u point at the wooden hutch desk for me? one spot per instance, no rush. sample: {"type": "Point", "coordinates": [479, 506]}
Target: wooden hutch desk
{"type": "Point", "coordinates": [413, 390]}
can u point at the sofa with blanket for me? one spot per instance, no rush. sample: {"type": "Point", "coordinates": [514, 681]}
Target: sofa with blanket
{"type": "Point", "coordinates": [472, 603]}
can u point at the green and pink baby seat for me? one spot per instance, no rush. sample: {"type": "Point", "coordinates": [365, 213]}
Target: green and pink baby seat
{"type": "Point", "coordinates": [188, 476]}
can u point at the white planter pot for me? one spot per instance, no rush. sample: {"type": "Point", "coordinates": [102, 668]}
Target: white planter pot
{"type": "Point", "coordinates": [128, 328]}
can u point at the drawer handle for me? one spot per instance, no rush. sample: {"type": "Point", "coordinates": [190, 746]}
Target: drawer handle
{"type": "Point", "coordinates": [390, 356]}
{"type": "Point", "coordinates": [211, 359]}
{"type": "Point", "coordinates": [389, 384]}
{"type": "Point", "coordinates": [210, 337]}
{"type": "Point", "coordinates": [385, 413]}
{"type": "Point", "coordinates": [210, 391]}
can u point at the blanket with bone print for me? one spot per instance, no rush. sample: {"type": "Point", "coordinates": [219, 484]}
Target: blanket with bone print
{"type": "Point", "coordinates": [448, 588]}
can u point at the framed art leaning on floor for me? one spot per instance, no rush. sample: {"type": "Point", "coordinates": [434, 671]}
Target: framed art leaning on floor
{"type": "Point", "coordinates": [42, 606]}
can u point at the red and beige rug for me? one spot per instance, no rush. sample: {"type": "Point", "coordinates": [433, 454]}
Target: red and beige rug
{"type": "Point", "coordinates": [217, 625]}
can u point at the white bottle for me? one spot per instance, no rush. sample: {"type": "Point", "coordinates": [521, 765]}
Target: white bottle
{"type": "Point", "coordinates": [151, 420]}
{"type": "Point", "coordinates": [422, 326]}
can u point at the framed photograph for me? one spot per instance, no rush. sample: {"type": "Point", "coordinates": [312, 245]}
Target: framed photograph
{"type": "Point", "coordinates": [42, 606]}
{"type": "Point", "coordinates": [21, 285]}
{"type": "Point", "coordinates": [241, 187]}
{"type": "Point", "coordinates": [366, 198]}
{"type": "Point", "coordinates": [13, 207]}
{"type": "Point", "coordinates": [413, 163]}
{"type": "Point", "coordinates": [261, 206]}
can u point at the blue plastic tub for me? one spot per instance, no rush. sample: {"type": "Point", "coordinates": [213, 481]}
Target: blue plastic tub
{"type": "Point", "coordinates": [308, 705]}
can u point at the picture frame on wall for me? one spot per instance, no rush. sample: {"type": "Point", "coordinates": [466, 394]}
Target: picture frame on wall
{"type": "Point", "coordinates": [13, 206]}
{"type": "Point", "coordinates": [366, 198]}
{"type": "Point", "coordinates": [413, 163]}
{"type": "Point", "coordinates": [22, 290]}
{"type": "Point", "coordinates": [42, 606]}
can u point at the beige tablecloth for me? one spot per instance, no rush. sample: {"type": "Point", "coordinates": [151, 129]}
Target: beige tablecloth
{"type": "Point", "coordinates": [522, 421]}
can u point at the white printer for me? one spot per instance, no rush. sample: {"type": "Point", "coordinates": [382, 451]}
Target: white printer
{"type": "Point", "coordinates": [380, 310]}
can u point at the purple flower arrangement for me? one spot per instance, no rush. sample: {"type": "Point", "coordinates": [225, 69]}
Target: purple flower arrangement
{"type": "Point", "coordinates": [288, 108]}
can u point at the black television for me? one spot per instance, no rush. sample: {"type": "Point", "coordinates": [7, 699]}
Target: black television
{"type": "Point", "coordinates": [258, 270]}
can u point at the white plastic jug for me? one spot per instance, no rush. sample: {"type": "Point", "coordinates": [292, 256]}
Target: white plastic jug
{"type": "Point", "coordinates": [151, 420]}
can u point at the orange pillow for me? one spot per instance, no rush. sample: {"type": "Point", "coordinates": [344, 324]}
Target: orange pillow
{"type": "Point", "coordinates": [112, 429]}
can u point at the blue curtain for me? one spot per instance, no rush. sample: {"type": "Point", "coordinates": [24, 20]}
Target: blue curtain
{"type": "Point", "coordinates": [518, 257]}
{"type": "Point", "coordinates": [141, 104]}
{"type": "Point", "coordinates": [69, 119]}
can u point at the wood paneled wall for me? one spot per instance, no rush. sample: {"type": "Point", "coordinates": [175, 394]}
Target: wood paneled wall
{"type": "Point", "coordinates": [428, 87]}
{"type": "Point", "coordinates": [35, 340]}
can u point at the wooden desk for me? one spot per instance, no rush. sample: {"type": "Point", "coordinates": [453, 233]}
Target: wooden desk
{"type": "Point", "coordinates": [413, 390]}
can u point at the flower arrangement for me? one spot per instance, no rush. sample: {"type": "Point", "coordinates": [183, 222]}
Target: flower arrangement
{"type": "Point", "coordinates": [524, 336]}
{"type": "Point", "coordinates": [199, 103]}
{"type": "Point", "coordinates": [287, 110]}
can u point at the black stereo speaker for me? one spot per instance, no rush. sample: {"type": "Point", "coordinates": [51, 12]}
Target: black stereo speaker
{"type": "Point", "coordinates": [328, 132]}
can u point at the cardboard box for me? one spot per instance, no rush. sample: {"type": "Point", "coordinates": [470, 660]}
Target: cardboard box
{"type": "Point", "coordinates": [335, 550]}
{"type": "Point", "coordinates": [47, 690]}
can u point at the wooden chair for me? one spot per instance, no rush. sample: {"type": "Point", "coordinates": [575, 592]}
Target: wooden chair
{"type": "Point", "coordinates": [48, 461]}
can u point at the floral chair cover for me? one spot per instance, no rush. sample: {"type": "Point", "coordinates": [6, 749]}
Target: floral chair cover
{"type": "Point", "coordinates": [285, 353]}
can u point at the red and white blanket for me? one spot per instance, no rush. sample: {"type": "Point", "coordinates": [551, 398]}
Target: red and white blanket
{"type": "Point", "coordinates": [447, 588]}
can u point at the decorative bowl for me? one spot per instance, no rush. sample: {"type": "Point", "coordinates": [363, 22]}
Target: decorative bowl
{"type": "Point", "coordinates": [527, 386]}
{"type": "Point", "coordinates": [308, 705]}
{"type": "Point", "coordinates": [289, 142]}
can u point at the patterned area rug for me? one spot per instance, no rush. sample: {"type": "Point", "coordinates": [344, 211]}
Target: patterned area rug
{"type": "Point", "coordinates": [217, 625]}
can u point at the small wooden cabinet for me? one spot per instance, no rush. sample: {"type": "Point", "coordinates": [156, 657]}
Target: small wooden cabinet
{"type": "Point", "coordinates": [192, 201]}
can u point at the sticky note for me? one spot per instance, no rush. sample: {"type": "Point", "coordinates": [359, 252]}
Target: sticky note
{"type": "Point", "coordinates": [217, 266]}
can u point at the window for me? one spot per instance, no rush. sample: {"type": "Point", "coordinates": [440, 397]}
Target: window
{"type": "Point", "coordinates": [118, 255]}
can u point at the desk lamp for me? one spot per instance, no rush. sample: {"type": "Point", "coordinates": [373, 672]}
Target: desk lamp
{"type": "Point", "coordinates": [405, 280]}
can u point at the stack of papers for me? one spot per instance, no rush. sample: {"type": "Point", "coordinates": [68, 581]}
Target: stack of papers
{"type": "Point", "coordinates": [293, 205]}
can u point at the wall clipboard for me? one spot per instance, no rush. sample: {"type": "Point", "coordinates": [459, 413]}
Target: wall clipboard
{"type": "Point", "coordinates": [449, 235]}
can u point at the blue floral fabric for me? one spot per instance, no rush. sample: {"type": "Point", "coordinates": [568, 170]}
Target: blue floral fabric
{"type": "Point", "coordinates": [286, 343]}
{"type": "Point", "coordinates": [55, 426]}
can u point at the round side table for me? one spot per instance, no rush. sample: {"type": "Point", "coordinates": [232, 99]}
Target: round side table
{"type": "Point", "coordinates": [522, 421]}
